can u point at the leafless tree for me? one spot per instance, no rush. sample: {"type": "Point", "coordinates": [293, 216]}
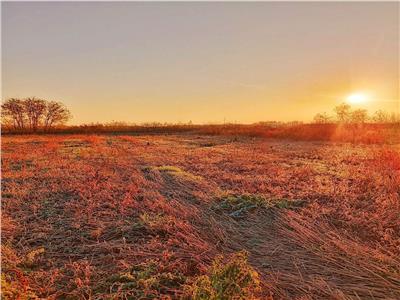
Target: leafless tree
{"type": "Point", "coordinates": [34, 109]}
{"type": "Point", "coordinates": [55, 114]}
{"type": "Point", "coordinates": [13, 113]}
{"type": "Point", "coordinates": [33, 113]}
{"type": "Point", "coordinates": [343, 113]}
{"type": "Point", "coordinates": [381, 117]}
{"type": "Point", "coordinates": [322, 118]}
{"type": "Point", "coordinates": [359, 116]}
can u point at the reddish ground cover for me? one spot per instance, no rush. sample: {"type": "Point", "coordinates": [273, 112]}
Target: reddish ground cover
{"type": "Point", "coordinates": [144, 217]}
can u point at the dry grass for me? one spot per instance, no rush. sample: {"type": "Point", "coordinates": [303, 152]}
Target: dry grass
{"type": "Point", "coordinates": [96, 216]}
{"type": "Point", "coordinates": [367, 133]}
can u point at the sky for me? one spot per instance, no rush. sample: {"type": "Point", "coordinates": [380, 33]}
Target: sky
{"type": "Point", "coordinates": [201, 62]}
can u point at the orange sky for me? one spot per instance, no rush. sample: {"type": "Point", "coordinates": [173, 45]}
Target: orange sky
{"type": "Point", "coordinates": [204, 62]}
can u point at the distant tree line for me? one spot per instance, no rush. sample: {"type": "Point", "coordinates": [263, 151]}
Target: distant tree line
{"type": "Point", "coordinates": [32, 114]}
{"type": "Point", "coordinates": [345, 115]}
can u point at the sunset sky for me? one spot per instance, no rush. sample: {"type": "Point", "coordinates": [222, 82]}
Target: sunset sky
{"type": "Point", "coordinates": [204, 62]}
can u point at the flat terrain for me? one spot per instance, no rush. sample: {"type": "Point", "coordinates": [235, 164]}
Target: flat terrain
{"type": "Point", "coordinates": [141, 217]}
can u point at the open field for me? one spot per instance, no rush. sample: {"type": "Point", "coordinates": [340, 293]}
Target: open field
{"type": "Point", "coordinates": [144, 217]}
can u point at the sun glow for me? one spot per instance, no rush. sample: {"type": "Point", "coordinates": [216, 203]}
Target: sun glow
{"type": "Point", "coordinates": [356, 98]}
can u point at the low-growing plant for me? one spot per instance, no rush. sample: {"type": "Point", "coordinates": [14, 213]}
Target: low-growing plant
{"type": "Point", "coordinates": [237, 205]}
{"type": "Point", "coordinates": [169, 169]}
{"type": "Point", "coordinates": [109, 208]}
{"type": "Point", "coordinates": [145, 281]}
{"type": "Point", "coordinates": [287, 203]}
{"type": "Point", "coordinates": [11, 289]}
{"type": "Point", "coordinates": [174, 171]}
{"type": "Point", "coordinates": [226, 280]}
{"type": "Point", "coordinates": [32, 256]}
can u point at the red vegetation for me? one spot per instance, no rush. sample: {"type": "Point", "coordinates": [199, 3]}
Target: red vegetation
{"type": "Point", "coordinates": [353, 133]}
{"type": "Point", "coordinates": [144, 217]}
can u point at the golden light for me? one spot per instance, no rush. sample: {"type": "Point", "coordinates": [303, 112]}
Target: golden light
{"type": "Point", "coordinates": [356, 98]}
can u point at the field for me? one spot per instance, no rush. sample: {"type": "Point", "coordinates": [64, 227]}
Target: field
{"type": "Point", "coordinates": [198, 217]}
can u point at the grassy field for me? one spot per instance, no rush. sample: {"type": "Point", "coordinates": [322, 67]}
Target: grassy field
{"type": "Point", "coordinates": [198, 217]}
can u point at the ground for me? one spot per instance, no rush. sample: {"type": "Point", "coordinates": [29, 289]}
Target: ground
{"type": "Point", "coordinates": [144, 217]}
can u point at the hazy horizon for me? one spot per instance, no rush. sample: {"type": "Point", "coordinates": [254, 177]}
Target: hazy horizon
{"type": "Point", "coordinates": [201, 62]}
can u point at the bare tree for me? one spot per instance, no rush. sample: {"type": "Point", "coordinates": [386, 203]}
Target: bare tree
{"type": "Point", "coordinates": [34, 109]}
{"type": "Point", "coordinates": [13, 113]}
{"type": "Point", "coordinates": [55, 114]}
{"type": "Point", "coordinates": [359, 116]}
{"type": "Point", "coordinates": [381, 117]}
{"type": "Point", "coordinates": [322, 118]}
{"type": "Point", "coordinates": [33, 113]}
{"type": "Point", "coordinates": [343, 113]}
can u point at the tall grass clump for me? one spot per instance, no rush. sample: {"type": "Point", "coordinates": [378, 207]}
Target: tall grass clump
{"type": "Point", "coordinates": [227, 279]}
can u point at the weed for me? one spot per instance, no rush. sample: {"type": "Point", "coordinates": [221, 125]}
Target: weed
{"type": "Point", "coordinates": [31, 257]}
{"type": "Point", "coordinates": [287, 204]}
{"type": "Point", "coordinates": [168, 169]}
{"type": "Point", "coordinates": [238, 205]}
{"type": "Point", "coordinates": [10, 289]}
{"type": "Point", "coordinates": [226, 280]}
{"type": "Point", "coordinates": [177, 172]}
{"type": "Point", "coordinates": [145, 281]}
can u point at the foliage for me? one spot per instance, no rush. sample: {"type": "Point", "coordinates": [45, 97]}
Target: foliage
{"type": "Point", "coordinates": [176, 171]}
{"type": "Point", "coordinates": [237, 205]}
{"type": "Point", "coordinates": [82, 217]}
{"type": "Point", "coordinates": [144, 281]}
{"type": "Point", "coordinates": [10, 289]}
{"type": "Point", "coordinates": [32, 256]}
{"type": "Point", "coordinates": [231, 279]}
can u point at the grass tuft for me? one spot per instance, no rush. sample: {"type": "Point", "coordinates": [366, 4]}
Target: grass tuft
{"type": "Point", "coordinates": [238, 205]}
{"type": "Point", "coordinates": [175, 171]}
{"type": "Point", "coordinates": [227, 279]}
{"type": "Point", "coordinates": [144, 281]}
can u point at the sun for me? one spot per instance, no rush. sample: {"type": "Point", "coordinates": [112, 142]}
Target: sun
{"type": "Point", "coordinates": [356, 98]}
